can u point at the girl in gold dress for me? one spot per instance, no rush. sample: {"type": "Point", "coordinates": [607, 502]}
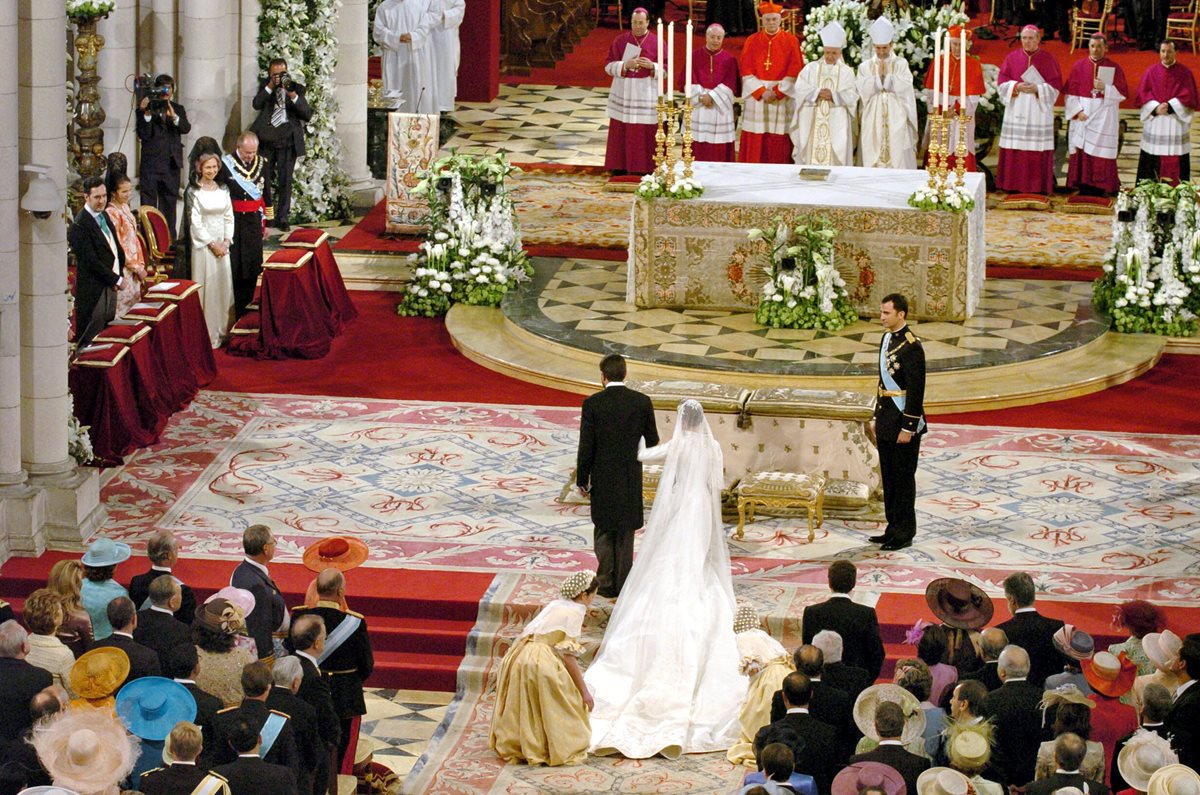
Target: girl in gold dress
{"type": "Point", "coordinates": [766, 662]}
{"type": "Point", "coordinates": [542, 704]}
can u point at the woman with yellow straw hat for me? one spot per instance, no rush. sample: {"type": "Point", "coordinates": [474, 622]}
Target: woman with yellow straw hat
{"type": "Point", "coordinates": [97, 675]}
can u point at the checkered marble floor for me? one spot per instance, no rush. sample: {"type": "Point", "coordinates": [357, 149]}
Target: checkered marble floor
{"type": "Point", "coordinates": [400, 724]}
{"type": "Point", "coordinates": [581, 303]}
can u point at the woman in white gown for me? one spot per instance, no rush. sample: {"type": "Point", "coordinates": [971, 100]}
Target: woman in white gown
{"type": "Point", "coordinates": [666, 679]}
{"type": "Point", "coordinates": [211, 229]}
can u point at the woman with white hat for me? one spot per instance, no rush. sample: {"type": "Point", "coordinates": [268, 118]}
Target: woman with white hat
{"type": "Point", "coordinates": [1162, 650]}
{"type": "Point", "coordinates": [1143, 755]}
{"type": "Point", "coordinates": [86, 750]}
{"type": "Point", "coordinates": [969, 751]}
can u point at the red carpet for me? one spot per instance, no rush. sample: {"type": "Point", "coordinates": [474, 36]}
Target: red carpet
{"type": "Point", "coordinates": [383, 355]}
{"type": "Point", "coordinates": [419, 621]}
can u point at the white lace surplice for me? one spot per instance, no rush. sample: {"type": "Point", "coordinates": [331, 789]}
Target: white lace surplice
{"type": "Point", "coordinates": [666, 677]}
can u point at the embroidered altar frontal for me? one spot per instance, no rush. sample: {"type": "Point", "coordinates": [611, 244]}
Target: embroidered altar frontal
{"type": "Point", "coordinates": [695, 253]}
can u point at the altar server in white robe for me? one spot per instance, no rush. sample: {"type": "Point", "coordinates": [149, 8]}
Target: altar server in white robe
{"type": "Point", "coordinates": [888, 136]}
{"type": "Point", "coordinates": [448, 17]}
{"type": "Point", "coordinates": [714, 89]}
{"type": "Point", "coordinates": [827, 105]}
{"type": "Point", "coordinates": [403, 30]}
{"type": "Point", "coordinates": [1093, 107]}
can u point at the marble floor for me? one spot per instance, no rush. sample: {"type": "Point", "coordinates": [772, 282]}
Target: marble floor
{"type": "Point", "coordinates": [400, 724]}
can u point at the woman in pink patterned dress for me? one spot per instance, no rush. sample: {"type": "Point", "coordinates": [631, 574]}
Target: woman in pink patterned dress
{"type": "Point", "coordinates": [125, 223]}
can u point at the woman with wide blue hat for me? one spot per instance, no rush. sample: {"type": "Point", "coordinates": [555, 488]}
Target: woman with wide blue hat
{"type": "Point", "coordinates": [150, 707]}
{"type": "Point", "coordinates": [99, 588]}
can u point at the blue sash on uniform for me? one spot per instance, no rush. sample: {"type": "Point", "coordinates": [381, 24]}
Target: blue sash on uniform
{"type": "Point", "coordinates": [889, 380]}
{"type": "Point", "coordinates": [340, 635]}
{"type": "Point", "coordinates": [249, 187]}
{"type": "Point", "coordinates": [270, 733]}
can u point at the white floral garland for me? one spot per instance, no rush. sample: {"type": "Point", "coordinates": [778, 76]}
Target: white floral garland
{"type": "Point", "coordinates": [304, 33]}
{"type": "Point", "coordinates": [83, 9]}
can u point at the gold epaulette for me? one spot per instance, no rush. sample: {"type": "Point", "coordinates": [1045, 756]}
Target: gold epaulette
{"type": "Point", "coordinates": [282, 714]}
{"type": "Point", "coordinates": [152, 770]}
{"type": "Point", "coordinates": [911, 338]}
{"type": "Point", "coordinates": [228, 709]}
{"type": "Point", "coordinates": [353, 613]}
{"type": "Point", "coordinates": [215, 774]}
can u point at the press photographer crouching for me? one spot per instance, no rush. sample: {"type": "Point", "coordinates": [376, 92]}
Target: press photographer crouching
{"type": "Point", "coordinates": [282, 113]}
{"type": "Point", "coordinates": [161, 123]}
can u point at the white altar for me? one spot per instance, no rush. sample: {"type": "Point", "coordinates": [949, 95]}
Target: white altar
{"type": "Point", "coordinates": [694, 253]}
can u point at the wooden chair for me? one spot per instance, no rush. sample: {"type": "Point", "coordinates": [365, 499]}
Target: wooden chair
{"type": "Point", "coordinates": [602, 5]}
{"type": "Point", "coordinates": [1084, 24]}
{"type": "Point", "coordinates": [697, 10]}
{"type": "Point", "coordinates": [158, 238]}
{"type": "Point", "coordinates": [1181, 25]}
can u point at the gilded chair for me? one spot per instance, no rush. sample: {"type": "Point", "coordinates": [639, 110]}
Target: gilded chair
{"type": "Point", "coordinates": [1085, 23]}
{"type": "Point", "coordinates": [1181, 24]}
{"type": "Point", "coordinates": [158, 238]}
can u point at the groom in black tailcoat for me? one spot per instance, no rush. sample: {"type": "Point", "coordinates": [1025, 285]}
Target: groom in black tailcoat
{"type": "Point", "coordinates": [613, 422]}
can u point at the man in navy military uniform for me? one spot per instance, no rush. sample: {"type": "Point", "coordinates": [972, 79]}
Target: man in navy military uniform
{"type": "Point", "coordinates": [899, 421]}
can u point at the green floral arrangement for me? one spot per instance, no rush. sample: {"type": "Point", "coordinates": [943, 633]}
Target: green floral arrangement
{"type": "Point", "coordinates": [954, 199]}
{"type": "Point", "coordinates": [473, 252]}
{"type": "Point", "coordinates": [304, 33]}
{"type": "Point", "coordinates": [89, 9]}
{"type": "Point", "coordinates": [653, 186]}
{"type": "Point", "coordinates": [79, 442]}
{"type": "Point", "coordinates": [803, 289]}
{"type": "Point", "coordinates": [1151, 279]}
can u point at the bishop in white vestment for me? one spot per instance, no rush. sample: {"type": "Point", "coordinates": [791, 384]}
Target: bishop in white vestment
{"type": "Point", "coordinates": [403, 29]}
{"type": "Point", "coordinates": [888, 137]}
{"type": "Point", "coordinates": [827, 104]}
{"type": "Point", "coordinates": [446, 51]}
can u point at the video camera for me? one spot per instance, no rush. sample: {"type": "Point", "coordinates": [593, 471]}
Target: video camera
{"type": "Point", "coordinates": [156, 89]}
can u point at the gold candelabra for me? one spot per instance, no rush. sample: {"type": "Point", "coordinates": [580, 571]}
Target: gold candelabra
{"type": "Point", "coordinates": [665, 158]}
{"type": "Point", "coordinates": [939, 147]}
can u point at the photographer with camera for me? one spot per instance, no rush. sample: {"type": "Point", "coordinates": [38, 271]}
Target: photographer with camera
{"type": "Point", "coordinates": [161, 125]}
{"type": "Point", "coordinates": [282, 113]}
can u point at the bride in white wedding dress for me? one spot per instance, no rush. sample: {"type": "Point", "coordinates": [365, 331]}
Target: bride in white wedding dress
{"type": "Point", "coordinates": [666, 679]}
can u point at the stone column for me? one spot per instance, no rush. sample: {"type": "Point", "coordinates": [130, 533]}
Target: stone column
{"type": "Point", "coordinates": [351, 93]}
{"type": "Point", "coordinates": [249, 75]}
{"type": "Point", "coordinates": [163, 36]}
{"type": "Point", "coordinates": [72, 495]}
{"type": "Point", "coordinates": [204, 67]}
{"type": "Point", "coordinates": [116, 65]}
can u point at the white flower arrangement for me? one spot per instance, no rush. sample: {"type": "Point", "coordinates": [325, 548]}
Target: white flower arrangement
{"type": "Point", "coordinates": [954, 199]}
{"type": "Point", "coordinates": [304, 33]}
{"type": "Point", "coordinates": [915, 28]}
{"type": "Point", "coordinates": [1151, 279]}
{"type": "Point", "coordinates": [79, 442]}
{"type": "Point", "coordinates": [652, 186]}
{"type": "Point", "coordinates": [803, 288]}
{"type": "Point", "coordinates": [89, 9]}
{"type": "Point", "coordinates": [473, 251]}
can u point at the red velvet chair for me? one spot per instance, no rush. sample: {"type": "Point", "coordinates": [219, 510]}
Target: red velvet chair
{"type": "Point", "coordinates": [158, 238]}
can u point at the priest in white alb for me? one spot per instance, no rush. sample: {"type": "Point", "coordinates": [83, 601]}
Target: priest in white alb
{"type": "Point", "coordinates": [1167, 97]}
{"type": "Point", "coordinates": [714, 89]}
{"type": "Point", "coordinates": [448, 17]}
{"type": "Point", "coordinates": [826, 105]}
{"type": "Point", "coordinates": [1095, 89]}
{"type": "Point", "coordinates": [1029, 85]}
{"type": "Point", "coordinates": [888, 135]}
{"type": "Point", "coordinates": [403, 31]}
{"type": "Point", "coordinates": [632, 101]}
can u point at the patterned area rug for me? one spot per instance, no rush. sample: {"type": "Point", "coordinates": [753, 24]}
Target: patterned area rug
{"type": "Point", "coordinates": [458, 759]}
{"type": "Point", "coordinates": [474, 487]}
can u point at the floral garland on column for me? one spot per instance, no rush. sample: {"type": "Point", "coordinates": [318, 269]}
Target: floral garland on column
{"type": "Point", "coordinates": [472, 253]}
{"type": "Point", "coordinates": [803, 289]}
{"type": "Point", "coordinates": [1151, 280]}
{"type": "Point", "coordinates": [304, 32]}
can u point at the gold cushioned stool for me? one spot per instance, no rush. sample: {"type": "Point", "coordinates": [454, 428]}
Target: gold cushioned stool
{"type": "Point", "coordinates": [788, 491]}
{"type": "Point", "coordinates": [650, 476]}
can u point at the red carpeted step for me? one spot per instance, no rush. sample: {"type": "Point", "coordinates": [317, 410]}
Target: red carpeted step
{"type": "Point", "coordinates": [430, 635]}
{"type": "Point", "coordinates": [407, 671]}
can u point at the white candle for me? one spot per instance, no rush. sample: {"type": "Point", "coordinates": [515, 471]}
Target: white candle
{"type": "Point", "coordinates": [946, 74]}
{"type": "Point", "coordinates": [962, 69]}
{"type": "Point", "coordinates": [937, 68]}
{"type": "Point", "coordinates": [661, 76]}
{"type": "Point", "coordinates": [670, 62]}
{"type": "Point", "coordinates": [687, 67]}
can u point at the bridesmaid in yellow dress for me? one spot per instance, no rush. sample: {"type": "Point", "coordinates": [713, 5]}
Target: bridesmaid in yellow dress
{"type": "Point", "coordinates": [542, 704]}
{"type": "Point", "coordinates": [766, 662]}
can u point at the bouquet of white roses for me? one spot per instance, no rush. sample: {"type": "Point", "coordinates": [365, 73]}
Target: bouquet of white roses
{"type": "Point", "coordinates": [653, 186]}
{"type": "Point", "coordinates": [954, 198]}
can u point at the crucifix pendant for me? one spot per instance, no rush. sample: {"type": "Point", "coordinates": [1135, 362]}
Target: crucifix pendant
{"type": "Point", "coordinates": [767, 63]}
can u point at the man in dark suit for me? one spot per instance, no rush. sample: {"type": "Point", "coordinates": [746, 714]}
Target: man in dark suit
{"type": "Point", "coordinates": [163, 551]}
{"type": "Point", "coordinates": [899, 422]}
{"type": "Point", "coordinates": [1015, 710]}
{"type": "Point", "coordinates": [1069, 750]}
{"type": "Point", "coordinates": [161, 125]}
{"type": "Point", "coordinates": [156, 627]}
{"type": "Point", "coordinates": [256, 684]}
{"type": "Point", "coordinates": [1029, 629]}
{"type": "Point", "coordinates": [19, 764]}
{"type": "Point", "coordinates": [283, 113]}
{"type": "Point", "coordinates": [992, 641]}
{"type": "Point", "coordinates": [857, 624]}
{"type": "Point", "coordinates": [183, 664]}
{"type": "Point", "coordinates": [287, 675]}
{"type": "Point", "coordinates": [827, 704]}
{"type": "Point", "coordinates": [346, 667]}
{"type": "Point", "coordinates": [1183, 721]}
{"type": "Point", "coordinates": [889, 725]}
{"type": "Point", "coordinates": [1156, 705]}
{"type": "Point", "coordinates": [99, 260]}
{"type": "Point", "coordinates": [185, 742]}
{"type": "Point", "coordinates": [22, 681]}
{"type": "Point", "coordinates": [143, 661]}
{"type": "Point", "coordinates": [820, 757]}
{"type": "Point", "coordinates": [308, 639]}
{"type": "Point", "coordinates": [252, 574]}
{"type": "Point", "coordinates": [607, 468]}
{"type": "Point", "coordinates": [250, 775]}
{"type": "Point", "coordinates": [850, 679]}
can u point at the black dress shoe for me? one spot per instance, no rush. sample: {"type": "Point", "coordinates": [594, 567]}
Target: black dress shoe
{"type": "Point", "coordinates": [879, 539]}
{"type": "Point", "coordinates": [892, 546]}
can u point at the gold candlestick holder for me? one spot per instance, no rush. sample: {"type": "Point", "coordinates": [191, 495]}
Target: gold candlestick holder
{"type": "Point", "coordinates": [660, 138]}
{"type": "Point", "coordinates": [935, 140]}
{"type": "Point", "coordinates": [687, 138]}
{"type": "Point", "coordinates": [672, 121]}
{"type": "Point", "coordinates": [960, 161]}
